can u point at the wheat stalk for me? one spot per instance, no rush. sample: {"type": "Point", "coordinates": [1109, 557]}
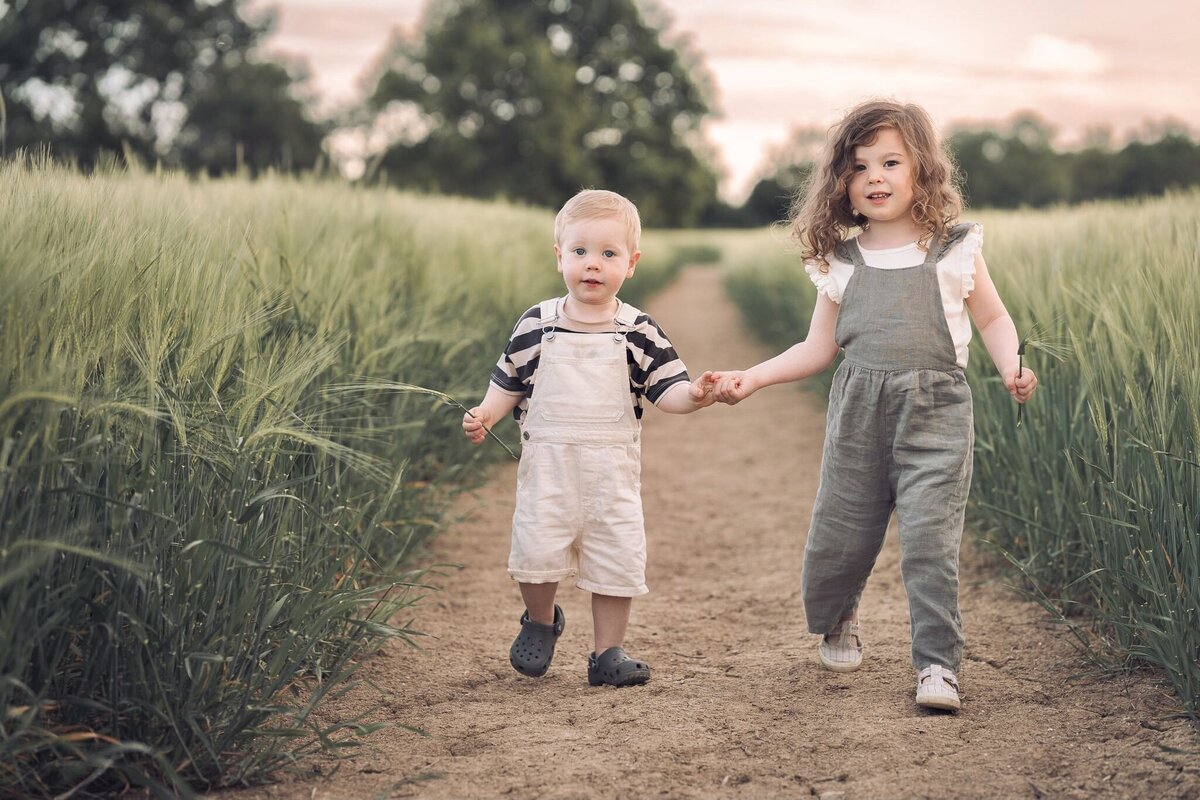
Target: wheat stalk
{"type": "Point", "coordinates": [1037, 339]}
{"type": "Point", "coordinates": [409, 388]}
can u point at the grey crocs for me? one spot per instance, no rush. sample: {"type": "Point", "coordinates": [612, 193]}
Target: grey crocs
{"type": "Point", "coordinates": [533, 648]}
{"type": "Point", "coordinates": [616, 668]}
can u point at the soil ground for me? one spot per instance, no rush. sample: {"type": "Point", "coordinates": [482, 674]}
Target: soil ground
{"type": "Point", "coordinates": [738, 705]}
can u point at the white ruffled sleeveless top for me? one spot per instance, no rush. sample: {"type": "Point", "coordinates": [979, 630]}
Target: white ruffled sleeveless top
{"type": "Point", "coordinates": [956, 278]}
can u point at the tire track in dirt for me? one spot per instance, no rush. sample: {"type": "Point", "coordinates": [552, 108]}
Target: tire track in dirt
{"type": "Point", "coordinates": [738, 705]}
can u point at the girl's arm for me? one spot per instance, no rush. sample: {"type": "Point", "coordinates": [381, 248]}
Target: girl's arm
{"type": "Point", "coordinates": [799, 361]}
{"type": "Point", "coordinates": [480, 419]}
{"type": "Point", "coordinates": [998, 332]}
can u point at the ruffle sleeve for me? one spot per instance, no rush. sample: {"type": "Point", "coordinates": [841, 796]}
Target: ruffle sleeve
{"type": "Point", "coordinates": [971, 246]}
{"type": "Point", "coordinates": [824, 281]}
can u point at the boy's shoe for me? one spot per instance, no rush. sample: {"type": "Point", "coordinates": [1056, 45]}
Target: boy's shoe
{"type": "Point", "coordinates": [841, 649]}
{"type": "Point", "coordinates": [938, 688]}
{"type": "Point", "coordinates": [533, 648]}
{"type": "Point", "coordinates": [616, 668]}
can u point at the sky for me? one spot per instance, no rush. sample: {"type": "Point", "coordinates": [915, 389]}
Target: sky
{"type": "Point", "coordinates": [778, 65]}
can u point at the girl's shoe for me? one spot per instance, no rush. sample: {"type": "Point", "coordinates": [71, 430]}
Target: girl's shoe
{"type": "Point", "coordinates": [841, 649]}
{"type": "Point", "coordinates": [938, 688]}
{"type": "Point", "coordinates": [533, 648]}
{"type": "Point", "coordinates": [616, 668]}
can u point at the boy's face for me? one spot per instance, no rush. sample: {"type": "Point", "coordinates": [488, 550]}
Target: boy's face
{"type": "Point", "coordinates": [595, 258]}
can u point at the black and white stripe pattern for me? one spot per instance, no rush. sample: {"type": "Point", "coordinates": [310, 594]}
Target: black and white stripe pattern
{"type": "Point", "coordinates": [654, 366]}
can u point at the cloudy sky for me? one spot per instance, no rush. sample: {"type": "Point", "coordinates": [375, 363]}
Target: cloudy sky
{"type": "Point", "coordinates": [778, 64]}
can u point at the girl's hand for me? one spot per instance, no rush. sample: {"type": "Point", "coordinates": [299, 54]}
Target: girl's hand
{"type": "Point", "coordinates": [732, 387]}
{"type": "Point", "coordinates": [1021, 388]}
{"type": "Point", "coordinates": [475, 424]}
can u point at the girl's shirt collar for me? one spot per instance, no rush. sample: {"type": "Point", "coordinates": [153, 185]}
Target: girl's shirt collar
{"type": "Point", "coordinates": [887, 250]}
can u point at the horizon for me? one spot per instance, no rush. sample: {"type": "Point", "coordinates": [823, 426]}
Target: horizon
{"type": "Point", "coordinates": [778, 68]}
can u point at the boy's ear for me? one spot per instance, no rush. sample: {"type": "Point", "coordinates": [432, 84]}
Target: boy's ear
{"type": "Point", "coordinates": [633, 259]}
{"type": "Point", "coordinates": [558, 257]}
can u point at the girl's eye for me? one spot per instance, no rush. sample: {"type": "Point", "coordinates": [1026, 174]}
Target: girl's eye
{"type": "Point", "coordinates": [610, 254]}
{"type": "Point", "coordinates": [859, 167]}
{"type": "Point", "coordinates": [891, 162]}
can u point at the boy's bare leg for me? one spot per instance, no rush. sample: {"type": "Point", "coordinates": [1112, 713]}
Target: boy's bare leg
{"type": "Point", "coordinates": [610, 617]}
{"type": "Point", "coordinates": [539, 601]}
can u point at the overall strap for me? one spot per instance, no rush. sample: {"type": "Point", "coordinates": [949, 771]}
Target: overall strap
{"type": "Point", "coordinates": [548, 309]}
{"type": "Point", "coordinates": [953, 236]}
{"type": "Point", "coordinates": [626, 316]}
{"type": "Point", "coordinates": [624, 321]}
{"type": "Point", "coordinates": [847, 251]}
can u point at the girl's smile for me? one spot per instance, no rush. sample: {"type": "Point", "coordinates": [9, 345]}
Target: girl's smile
{"type": "Point", "coordinates": [881, 188]}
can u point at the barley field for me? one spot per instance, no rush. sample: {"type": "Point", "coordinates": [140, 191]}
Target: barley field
{"type": "Point", "coordinates": [211, 474]}
{"type": "Point", "coordinates": [1094, 499]}
{"type": "Point", "coordinates": [217, 463]}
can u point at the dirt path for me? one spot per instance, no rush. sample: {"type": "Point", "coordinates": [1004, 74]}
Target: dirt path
{"type": "Point", "coordinates": [738, 705]}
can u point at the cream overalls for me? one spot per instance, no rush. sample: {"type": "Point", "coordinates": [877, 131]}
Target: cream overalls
{"type": "Point", "coordinates": [579, 505]}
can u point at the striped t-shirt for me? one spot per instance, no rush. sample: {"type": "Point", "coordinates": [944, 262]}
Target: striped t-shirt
{"type": "Point", "coordinates": [654, 366]}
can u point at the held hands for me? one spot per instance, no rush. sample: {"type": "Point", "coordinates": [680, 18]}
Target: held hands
{"type": "Point", "coordinates": [1021, 388]}
{"type": "Point", "coordinates": [475, 424]}
{"type": "Point", "coordinates": [731, 387]}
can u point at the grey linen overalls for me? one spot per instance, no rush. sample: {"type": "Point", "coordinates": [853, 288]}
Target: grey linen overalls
{"type": "Point", "coordinates": [899, 435]}
{"type": "Point", "coordinates": [579, 504]}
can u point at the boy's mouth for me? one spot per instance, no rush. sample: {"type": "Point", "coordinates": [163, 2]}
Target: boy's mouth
{"type": "Point", "coordinates": [591, 282]}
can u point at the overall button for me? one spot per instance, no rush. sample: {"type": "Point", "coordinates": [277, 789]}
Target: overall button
{"type": "Point", "coordinates": [525, 436]}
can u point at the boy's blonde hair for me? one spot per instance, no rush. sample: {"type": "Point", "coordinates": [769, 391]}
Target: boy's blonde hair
{"type": "Point", "coordinates": [599, 204]}
{"type": "Point", "coordinates": [821, 212]}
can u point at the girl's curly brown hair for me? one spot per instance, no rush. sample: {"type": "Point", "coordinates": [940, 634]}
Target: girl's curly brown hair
{"type": "Point", "coordinates": [822, 216]}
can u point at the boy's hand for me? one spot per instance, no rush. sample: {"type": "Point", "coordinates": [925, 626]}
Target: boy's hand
{"type": "Point", "coordinates": [1021, 388]}
{"type": "Point", "coordinates": [475, 424]}
{"type": "Point", "coordinates": [732, 387]}
{"type": "Point", "coordinates": [702, 390]}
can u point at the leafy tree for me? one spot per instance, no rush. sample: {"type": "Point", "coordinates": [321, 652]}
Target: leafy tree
{"type": "Point", "coordinates": [771, 198]}
{"type": "Point", "coordinates": [1013, 168]}
{"type": "Point", "coordinates": [176, 81]}
{"type": "Point", "coordinates": [1014, 165]}
{"type": "Point", "coordinates": [786, 169]}
{"type": "Point", "coordinates": [535, 99]}
{"type": "Point", "coordinates": [1173, 162]}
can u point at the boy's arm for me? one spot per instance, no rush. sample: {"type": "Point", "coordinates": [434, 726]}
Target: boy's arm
{"type": "Point", "coordinates": [799, 361]}
{"type": "Point", "coordinates": [699, 394]}
{"type": "Point", "coordinates": [998, 333]}
{"type": "Point", "coordinates": [480, 419]}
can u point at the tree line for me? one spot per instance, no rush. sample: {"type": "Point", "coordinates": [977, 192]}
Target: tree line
{"type": "Point", "coordinates": [527, 101]}
{"type": "Point", "coordinates": [1011, 165]}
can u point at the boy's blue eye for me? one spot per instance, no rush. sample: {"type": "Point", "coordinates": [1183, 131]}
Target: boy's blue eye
{"type": "Point", "coordinates": [578, 251]}
{"type": "Point", "coordinates": [610, 254]}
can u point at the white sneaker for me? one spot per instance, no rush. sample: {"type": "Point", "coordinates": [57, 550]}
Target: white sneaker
{"type": "Point", "coordinates": [938, 688]}
{"type": "Point", "coordinates": [841, 649]}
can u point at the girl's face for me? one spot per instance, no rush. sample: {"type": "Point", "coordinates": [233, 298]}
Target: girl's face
{"type": "Point", "coordinates": [881, 188]}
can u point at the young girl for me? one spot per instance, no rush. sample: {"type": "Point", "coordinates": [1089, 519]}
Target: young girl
{"type": "Point", "coordinates": [899, 434]}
